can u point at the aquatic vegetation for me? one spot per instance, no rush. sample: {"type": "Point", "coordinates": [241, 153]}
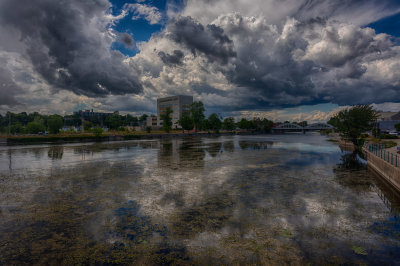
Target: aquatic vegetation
{"type": "Point", "coordinates": [359, 250]}
{"type": "Point", "coordinates": [265, 200]}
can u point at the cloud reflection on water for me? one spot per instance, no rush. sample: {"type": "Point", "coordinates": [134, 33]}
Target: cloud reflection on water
{"type": "Point", "coordinates": [229, 199]}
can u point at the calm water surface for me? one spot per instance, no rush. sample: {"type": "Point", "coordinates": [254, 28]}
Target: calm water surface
{"type": "Point", "coordinates": [229, 200]}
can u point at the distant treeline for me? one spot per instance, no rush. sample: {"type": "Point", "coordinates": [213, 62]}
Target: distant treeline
{"type": "Point", "coordinates": [34, 123]}
{"type": "Point", "coordinates": [23, 123]}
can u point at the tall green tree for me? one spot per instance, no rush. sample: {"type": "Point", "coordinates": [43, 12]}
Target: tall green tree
{"type": "Point", "coordinates": [34, 127]}
{"type": "Point", "coordinates": [186, 122]}
{"type": "Point", "coordinates": [245, 124]}
{"type": "Point", "coordinates": [197, 110]}
{"type": "Point", "coordinates": [55, 123]}
{"type": "Point", "coordinates": [353, 121]}
{"type": "Point", "coordinates": [397, 127]}
{"type": "Point", "coordinates": [229, 123]}
{"type": "Point", "coordinates": [167, 120]}
{"type": "Point", "coordinates": [113, 121]}
{"type": "Point", "coordinates": [333, 121]}
{"type": "Point", "coordinates": [214, 122]}
{"type": "Point", "coordinates": [143, 117]}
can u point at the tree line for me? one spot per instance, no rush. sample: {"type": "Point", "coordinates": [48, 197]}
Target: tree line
{"type": "Point", "coordinates": [195, 119]}
{"type": "Point", "coordinates": [34, 123]}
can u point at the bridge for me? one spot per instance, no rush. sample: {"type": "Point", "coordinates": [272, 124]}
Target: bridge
{"type": "Point", "coordinates": [292, 127]}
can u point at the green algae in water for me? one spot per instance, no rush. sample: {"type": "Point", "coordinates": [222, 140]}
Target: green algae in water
{"type": "Point", "coordinates": [360, 250]}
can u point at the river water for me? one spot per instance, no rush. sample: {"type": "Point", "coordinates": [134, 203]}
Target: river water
{"type": "Point", "coordinates": [273, 199]}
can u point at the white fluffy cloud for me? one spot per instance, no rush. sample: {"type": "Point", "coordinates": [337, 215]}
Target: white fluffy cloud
{"type": "Point", "coordinates": [263, 65]}
{"type": "Point", "coordinates": [150, 13]}
{"type": "Point", "coordinates": [235, 55]}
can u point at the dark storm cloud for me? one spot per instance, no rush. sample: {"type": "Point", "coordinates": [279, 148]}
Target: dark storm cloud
{"type": "Point", "coordinates": [8, 89]}
{"type": "Point", "coordinates": [126, 39]}
{"type": "Point", "coordinates": [307, 62]}
{"type": "Point", "coordinates": [172, 59]}
{"type": "Point", "coordinates": [208, 40]}
{"type": "Point", "coordinates": [68, 45]}
{"type": "Point", "coordinates": [207, 89]}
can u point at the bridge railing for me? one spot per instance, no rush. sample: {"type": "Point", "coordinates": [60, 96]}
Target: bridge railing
{"type": "Point", "coordinates": [379, 150]}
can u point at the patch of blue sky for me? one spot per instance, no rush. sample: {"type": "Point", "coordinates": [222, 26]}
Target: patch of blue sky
{"type": "Point", "coordinates": [389, 25]}
{"type": "Point", "coordinates": [140, 29]}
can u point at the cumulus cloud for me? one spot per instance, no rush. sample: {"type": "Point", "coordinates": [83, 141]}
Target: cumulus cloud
{"type": "Point", "coordinates": [357, 12]}
{"type": "Point", "coordinates": [149, 13]}
{"type": "Point", "coordinates": [291, 114]}
{"type": "Point", "coordinates": [241, 62]}
{"type": "Point", "coordinates": [8, 88]}
{"type": "Point", "coordinates": [172, 59]}
{"type": "Point", "coordinates": [208, 40]}
{"type": "Point", "coordinates": [234, 55]}
{"type": "Point", "coordinates": [68, 44]}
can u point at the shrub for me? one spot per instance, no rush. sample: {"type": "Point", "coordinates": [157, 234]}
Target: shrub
{"type": "Point", "coordinates": [87, 125]}
{"type": "Point", "coordinates": [388, 136]}
{"type": "Point", "coordinates": [148, 129]}
{"type": "Point", "coordinates": [390, 144]}
{"type": "Point", "coordinates": [97, 131]}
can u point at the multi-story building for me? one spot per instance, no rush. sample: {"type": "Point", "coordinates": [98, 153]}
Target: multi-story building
{"type": "Point", "coordinates": [178, 104]}
{"type": "Point", "coordinates": [89, 115]}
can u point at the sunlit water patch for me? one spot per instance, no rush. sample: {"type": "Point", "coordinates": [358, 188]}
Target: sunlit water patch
{"type": "Point", "coordinates": [230, 200]}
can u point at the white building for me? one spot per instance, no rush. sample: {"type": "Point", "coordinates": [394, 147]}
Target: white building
{"type": "Point", "coordinates": [178, 104]}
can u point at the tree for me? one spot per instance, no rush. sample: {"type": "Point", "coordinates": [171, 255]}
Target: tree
{"type": "Point", "coordinates": [87, 125]}
{"type": "Point", "coordinates": [264, 125]}
{"type": "Point", "coordinates": [54, 123]}
{"type": "Point", "coordinates": [97, 131]}
{"type": "Point", "coordinates": [167, 120]}
{"type": "Point", "coordinates": [73, 120]}
{"type": "Point", "coordinates": [197, 110]}
{"type": "Point", "coordinates": [204, 124]}
{"type": "Point", "coordinates": [245, 124]}
{"type": "Point", "coordinates": [143, 117]}
{"type": "Point", "coordinates": [34, 128]}
{"type": "Point", "coordinates": [214, 122]}
{"type": "Point", "coordinates": [333, 121]}
{"type": "Point", "coordinates": [130, 120]}
{"type": "Point", "coordinates": [353, 121]}
{"type": "Point", "coordinates": [186, 122]}
{"type": "Point", "coordinates": [397, 126]}
{"type": "Point", "coordinates": [229, 123]}
{"type": "Point", "coordinates": [113, 121]}
{"type": "Point", "coordinates": [16, 128]}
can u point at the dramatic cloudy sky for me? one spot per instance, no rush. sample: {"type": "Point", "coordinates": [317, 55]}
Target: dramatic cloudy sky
{"type": "Point", "coordinates": [283, 59]}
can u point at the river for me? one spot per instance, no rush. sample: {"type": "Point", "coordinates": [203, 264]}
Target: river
{"type": "Point", "coordinates": [266, 199]}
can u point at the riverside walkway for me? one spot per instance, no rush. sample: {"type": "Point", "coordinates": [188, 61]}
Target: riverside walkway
{"type": "Point", "coordinates": [385, 162]}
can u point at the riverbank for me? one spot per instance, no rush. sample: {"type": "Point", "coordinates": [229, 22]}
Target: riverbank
{"type": "Point", "coordinates": [32, 139]}
{"type": "Point", "coordinates": [390, 172]}
{"type": "Point", "coordinates": [344, 145]}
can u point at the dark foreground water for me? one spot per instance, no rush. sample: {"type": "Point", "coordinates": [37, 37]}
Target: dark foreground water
{"type": "Point", "coordinates": [229, 200]}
